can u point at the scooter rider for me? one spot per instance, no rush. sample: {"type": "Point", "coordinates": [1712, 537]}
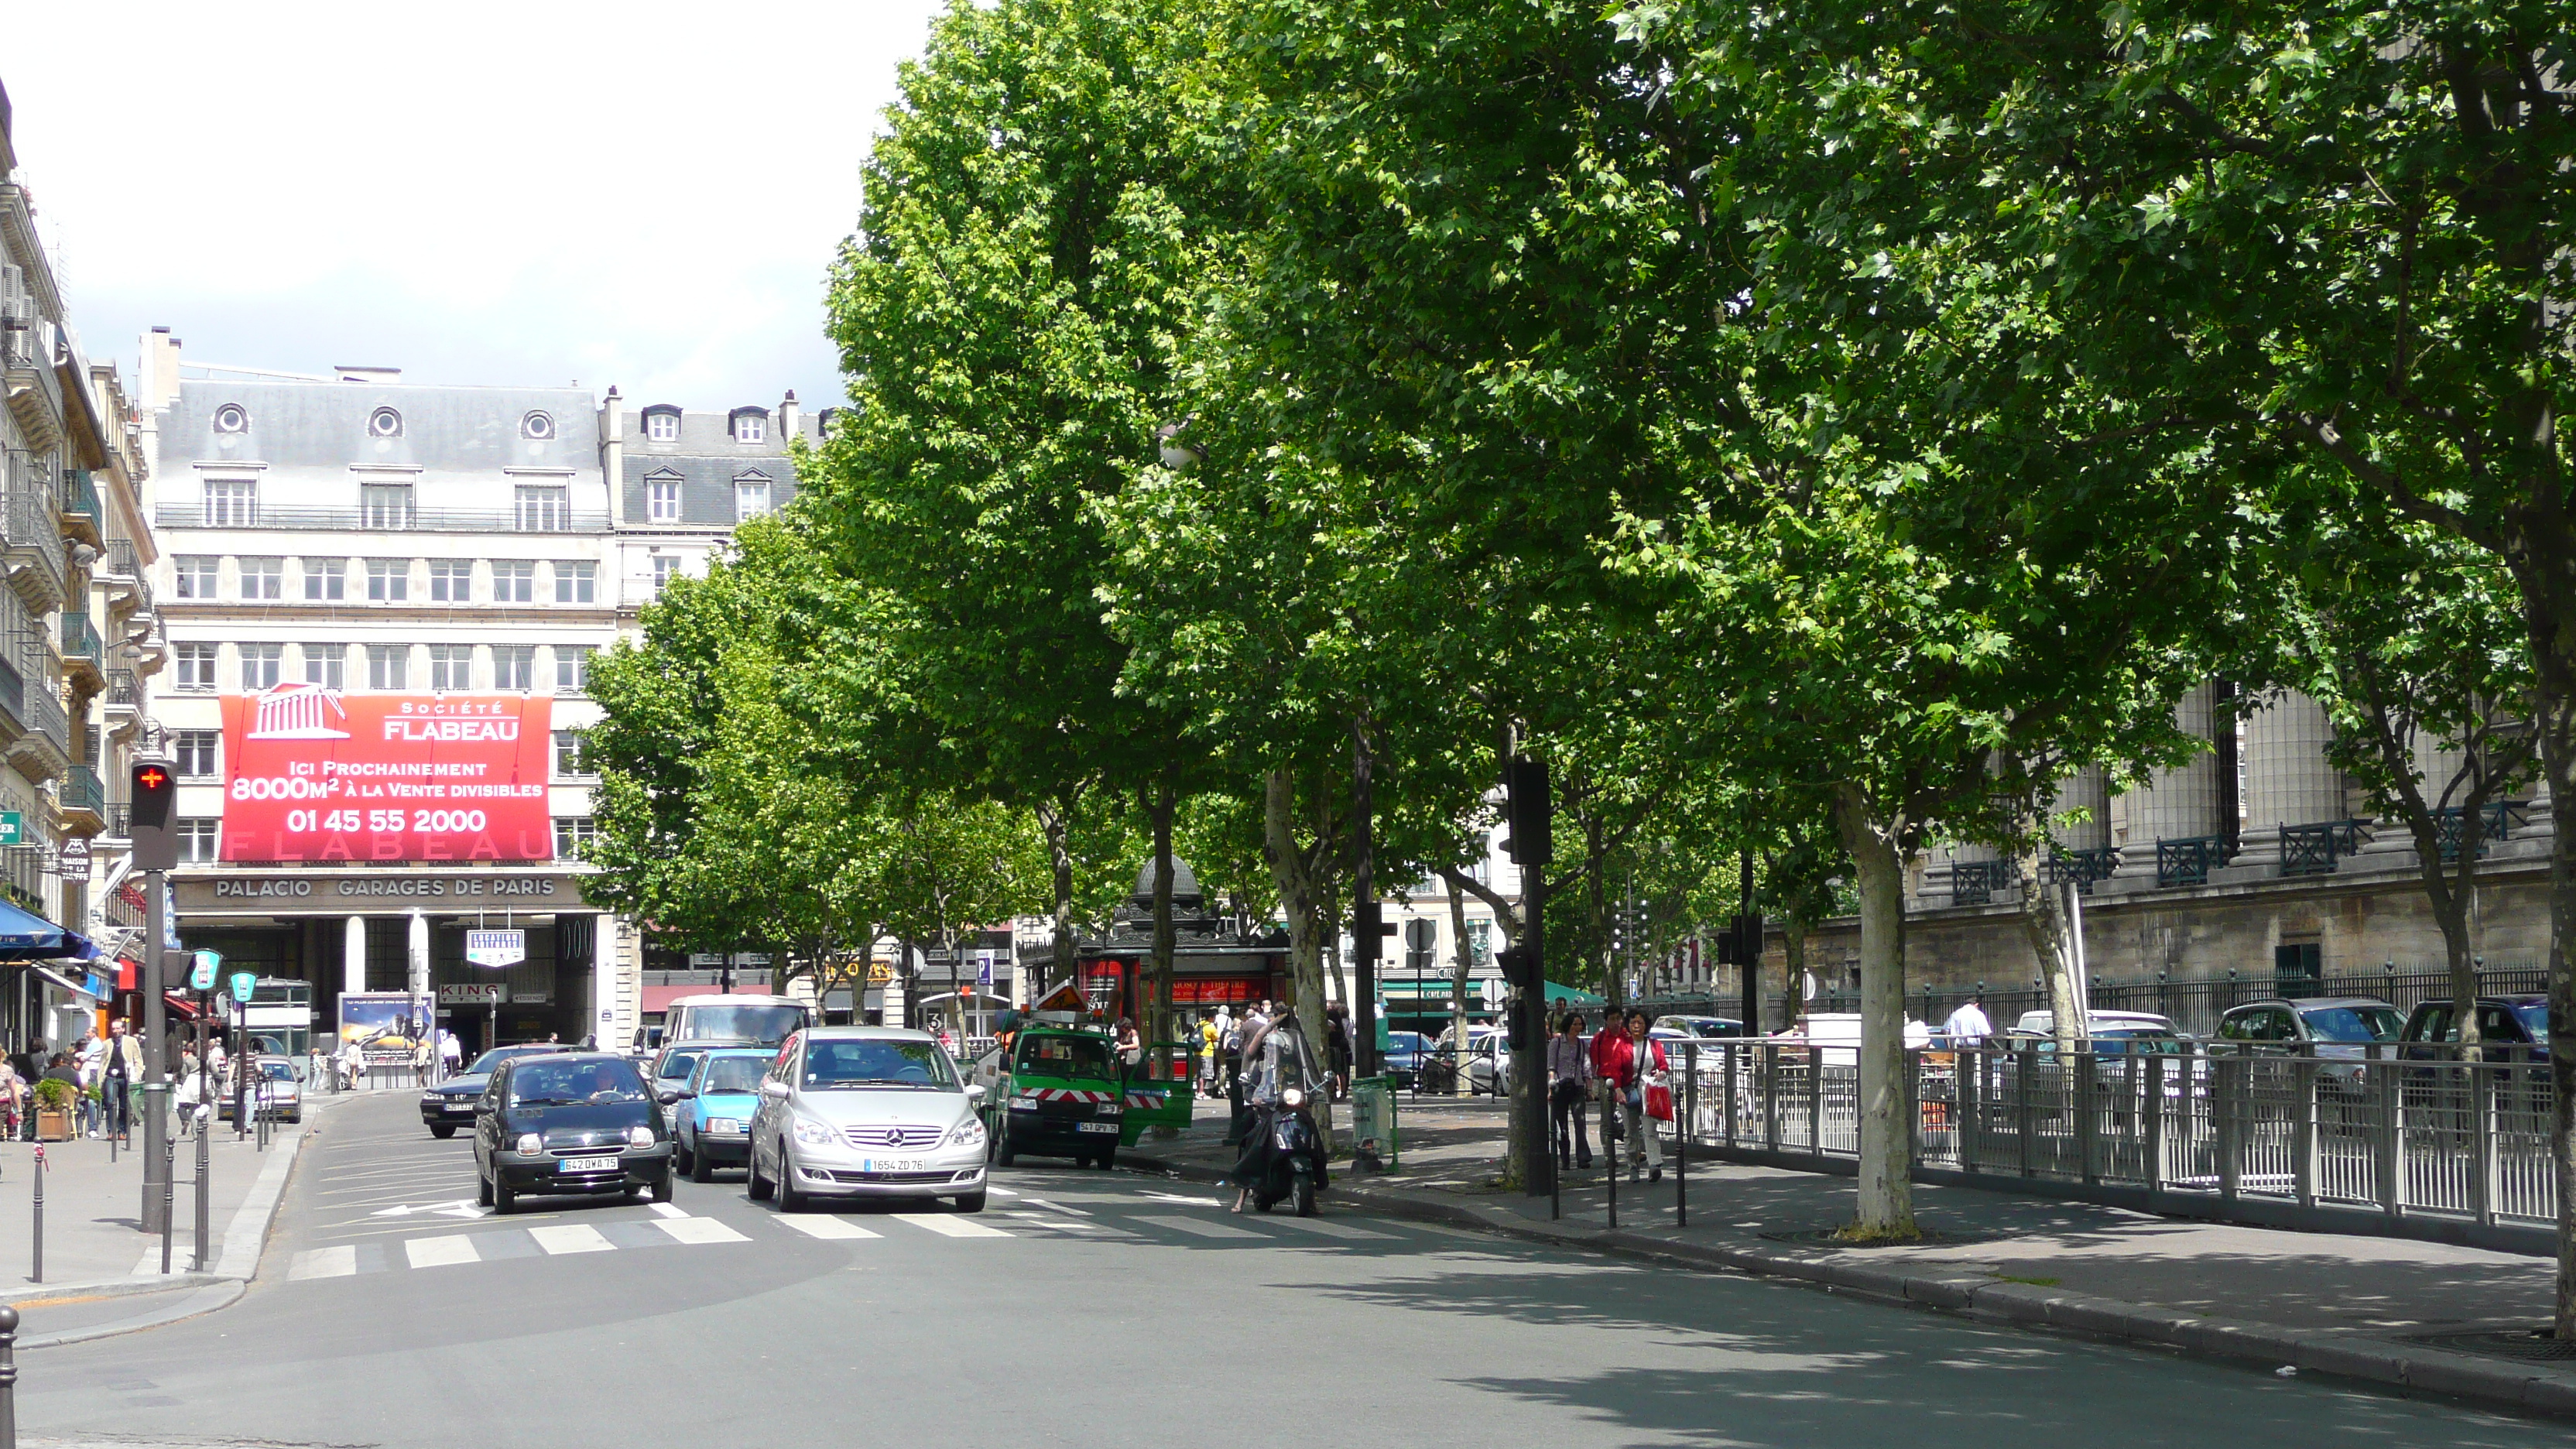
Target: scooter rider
{"type": "Point", "coordinates": [1275, 1059]}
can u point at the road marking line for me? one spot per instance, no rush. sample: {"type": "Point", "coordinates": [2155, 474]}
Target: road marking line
{"type": "Point", "coordinates": [1183, 1201]}
{"type": "Point", "coordinates": [1204, 1230]}
{"type": "Point", "coordinates": [1327, 1228]}
{"type": "Point", "coordinates": [438, 1252]}
{"type": "Point", "coordinates": [337, 1262]}
{"type": "Point", "coordinates": [949, 1227]}
{"type": "Point", "coordinates": [1001, 1192]}
{"type": "Point", "coordinates": [670, 1210]}
{"type": "Point", "coordinates": [1055, 1207]}
{"type": "Point", "coordinates": [835, 1228]}
{"type": "Point", "coordinates": [699, 1230]}
{"type": "Point", "coordinates": [571, 1238]}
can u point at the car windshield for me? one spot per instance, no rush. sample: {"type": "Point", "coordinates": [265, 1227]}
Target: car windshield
{"type": "Point", "coordinates": [277, 1071]}
{"type": "Point", "coordinates": [732, 1074]}
{"type": "Point", "coordinates": [2353, 1023]}
{"type": "Point", "coordinates": [560, 1084]}
{"type": "Point", "coordinates": [486, 1064]}
{"type": "Point", "coordinates": [1065, 1056]}
{"type": "Point", "coordinates": [879, 1064]}
{"type": "Point", "coordinates": [2534, 1016]}
{"type": "Point", "coordinates": [677, 1065]}
{"type": "Point", "coordinates": [2136, 1039]}
{"type": "Point", "coordinates": [767, 1025]}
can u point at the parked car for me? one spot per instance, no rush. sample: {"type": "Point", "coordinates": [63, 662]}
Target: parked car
{"type": "Point", "coordinates": [711, 1115]}
{"type": "Point", "coordinates": [2510, 1029]}
{"type": "Point", "coordinates": [2347, 1030]}
{"type": "Point", "coordinates": [277, 1083]}
{"type": "Point", "coordinates": [1488, 1062]}
{"type": "Point", "coordinates": [866, 1112]}
{"type": "Point", "coordinates": [2112, 1032]}
{"type": "Point", "coordinates": [450, 1104]}
{"type": "Point", "coordinates": [1706, 1028]}
{"type": "Point", "coordinates": [1835, 1035]}
{"type": "Point", "coordinates": [1404, 1054]}
{"type": "Point", "coordinates": [567, 1123]}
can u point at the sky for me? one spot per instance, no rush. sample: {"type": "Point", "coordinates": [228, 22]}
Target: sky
{"type": "Point", "coordinates": [528, 194]}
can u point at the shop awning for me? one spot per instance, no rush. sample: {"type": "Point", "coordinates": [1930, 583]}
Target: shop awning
{"type": "Point", "coordinates": [26, 936]}
{"type": "Point", "coordinates": [63, 980]}
{"type": "Point", "coordinates": [1571, 996]}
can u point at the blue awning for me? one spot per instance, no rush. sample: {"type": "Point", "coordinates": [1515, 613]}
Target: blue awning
{"type": "Point", "coordinates": [26, 936]}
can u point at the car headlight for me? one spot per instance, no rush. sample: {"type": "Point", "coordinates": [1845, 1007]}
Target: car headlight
{"type": "Point", "coordinates": [1294, 1096]}
{"type": "Point", "coordinates": [531, 1143]}
{"type": "Point", "coordinates": [969, 1133]}
{"type": "Point", "coordinates": [814, 1134]}
{"type": "Point", "coordinates": [639, 1136]}
{"type": "Point", "coordinates": [432, 1099]}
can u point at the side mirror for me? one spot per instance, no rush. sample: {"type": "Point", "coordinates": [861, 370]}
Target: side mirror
{"type": "Point", "coordinates": [670, 1097]}
{"type": "Point", "coordinates": [974, 1091]}
{"type": "Point", "coordinates": [773, 1089]}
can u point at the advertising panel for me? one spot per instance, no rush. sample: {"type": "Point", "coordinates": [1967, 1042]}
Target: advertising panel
{"type": "Point", "coordinates": [386, 1025]}
{"type": "Point", "coordinates": [318, 775]}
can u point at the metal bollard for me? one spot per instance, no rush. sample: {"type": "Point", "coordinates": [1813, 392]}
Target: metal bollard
{"type": "Point", "coordinates": [1681, 1139]}
{"type": "Point", "coordinates": [8, 1377]}
{"type": "Point", "coordinates": [1610, 1149]}
{"type": "Point", "coordinates": [169, 1171]}
{"type": "Point", "coordinates": [39, 1275]}
{"type": "Point", "coordinates": [205, 1213]}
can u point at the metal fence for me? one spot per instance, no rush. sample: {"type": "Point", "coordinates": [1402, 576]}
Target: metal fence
{"type": "Point", "coordinates": [2427, 1147]}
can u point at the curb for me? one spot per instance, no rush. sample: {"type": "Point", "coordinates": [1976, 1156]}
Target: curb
{"type": "Point", "coordinates": [205, 1299]}
{"type": "Point", "coordinates": [40, 1294]}
{"type": "Point", "coordinates": [2495, 1383]}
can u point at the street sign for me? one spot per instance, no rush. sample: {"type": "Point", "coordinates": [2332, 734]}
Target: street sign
{"type": "Point", "coordinates": [474, 993]}
{"type": "Point", "coordinates": [496, 948]}
{"type": "Point", "coordinates": [12, 827]}
{"type": "Point", "coordinates": [984, 971]}
{"type": "Point", "coordinates": [72, 861]}
{"type": "Point", "coordinates": [201, 972]}
{"type": "Point", "coordinates": [242, 982]}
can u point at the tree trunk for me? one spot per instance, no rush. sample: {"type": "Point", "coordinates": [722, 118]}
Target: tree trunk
{"type": "Point", "coordinates": [1793, 945]}
{"type": "Point", "coordinates": [1055, 820]}
{"type": "Point", "coordinates": [1886, 1182]}
{"type": "Point", "coordinates": [1158, 988]}
{"type": "Point", "coordinates": [1458, 982]}
{"type": "Point", "coordinates": [2052, 940]}
{"type": "Point", "coordinates": [1299, 899]}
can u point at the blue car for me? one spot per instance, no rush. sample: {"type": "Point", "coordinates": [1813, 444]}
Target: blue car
{"type": "Point", "coordinates": [711, 1115]}
{"type": "Point", "coordinates": [1404, 1054]}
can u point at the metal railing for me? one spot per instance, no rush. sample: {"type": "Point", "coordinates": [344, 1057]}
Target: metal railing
{"type": "Point", "coordinates": [124, 689]}
{"type": "Point", "coordinates": [2188, 862]}
{"type": "Point", "coordinates": [2082, 867]}
{"type": "Point", "coordinates": [418, 520]}
{"type": "Point", "coordinates": [2348, 1145]}
{"type": "Point", "coordinates": [80, 638]}
{"type": "Point", "coordinates": [81, 790]}
{"type": "Point", "coordinates": [2317, 849]}
{"type": "Point", "coordinates": [13, 692]}
{"type": "Point", "coordinates": [2499, 819]}
{"type": "Point", "coordinates": [120, 560]}
{"type": "Point", "coordinates": [79, 494]}
{"type": "Point", "coordinates": [44, 716]}
{"type": "Point", "coordinates": [1975, 882]}
{"type": "Point", "coordinates": [31, 527]}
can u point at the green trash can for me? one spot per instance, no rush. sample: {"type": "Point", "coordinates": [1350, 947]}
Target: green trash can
{"type": "Point", "coordinates": [1373, 1126]}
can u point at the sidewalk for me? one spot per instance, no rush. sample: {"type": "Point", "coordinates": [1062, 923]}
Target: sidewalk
{"type": "Point", "coordinates": [102, 1274]}
{"type": "Point", "coordinates": [2423, 1316]}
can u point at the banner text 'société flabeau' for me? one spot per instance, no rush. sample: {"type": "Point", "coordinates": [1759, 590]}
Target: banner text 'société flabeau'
{"type": "Point", "coordinates": [312, 774]}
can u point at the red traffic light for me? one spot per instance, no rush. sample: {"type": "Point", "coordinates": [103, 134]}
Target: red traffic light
{"type": "Point", "coordinates": [151, 777]}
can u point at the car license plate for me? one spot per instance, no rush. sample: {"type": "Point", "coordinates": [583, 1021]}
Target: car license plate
{"type": "Point", "coordinates": [889, 1164]}
{"type": "Point", "coordinates": [587, 1164]}
{"type": "Point", "coordinates": [459, 1107]}
{"type": "Point", "coordinates": [1096, 1127]}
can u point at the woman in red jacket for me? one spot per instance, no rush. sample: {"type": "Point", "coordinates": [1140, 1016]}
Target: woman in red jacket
{"type": "Point", "coordinates": [1630, 1064]}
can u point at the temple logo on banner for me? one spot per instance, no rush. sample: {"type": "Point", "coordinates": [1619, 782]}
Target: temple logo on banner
{"type": "Point", "coordinates": [496, 948]}
{"type": "Point", "coordinates": [298, 712]}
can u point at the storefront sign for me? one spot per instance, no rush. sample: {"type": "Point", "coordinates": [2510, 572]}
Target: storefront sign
{"type": "Point", "coordinates": [316, 775]}
{"type": "Point", "coordinates": [474, 993]}
{"type": "Point", "coordinates": [72, 861]}
{"type": "Point", "coordinates": [496, 948]}
{"type": "Point", "coordinates": [361, 893]}
{"type": "Point", "coordinates": [12, 827]}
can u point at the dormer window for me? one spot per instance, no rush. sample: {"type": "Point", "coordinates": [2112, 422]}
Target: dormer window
{"type": "Point", "coordinates": [750, 425]}
{"type": "Point", "coordinates": [662, 423]}
{"type": "Point", "coordinates": [384, 423]}
{"type": "Point", "coordinates": [539, 425]}
{"type": "Point", "coordinates": [823, 421]}
{"type": "Point", "coordinates": [232, 418]}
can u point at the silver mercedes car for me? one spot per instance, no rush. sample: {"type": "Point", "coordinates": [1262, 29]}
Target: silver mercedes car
{"type": "Point", "coordinates": [866, 1112]}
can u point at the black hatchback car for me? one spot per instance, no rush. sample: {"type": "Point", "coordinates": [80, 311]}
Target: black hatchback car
{"type": "Point", "coordinates": [572, 1122]}
{"type": "Point", "coordinates": [2513, 1028]}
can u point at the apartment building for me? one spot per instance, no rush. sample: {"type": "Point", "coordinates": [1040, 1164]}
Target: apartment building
{"type": "Point", "coordinates": [382, 600]}
{"type": "Point", "coordinates": [77, 639]}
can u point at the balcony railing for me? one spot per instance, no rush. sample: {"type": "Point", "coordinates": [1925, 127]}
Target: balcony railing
{"type": "Point", "coordinates": [44, 716]}
{"type": "Point", "coordinates": [82, 791]}
{"type": "Point", "coordinates": [33, 531]}
{"type": "Point", "coordinates": [35, 393]}
{"type": "Point", "coordinates": [123, 689]}
{"type": "Point", "coordinates": [80, 495]}
{"type": "Point", "coordinates": [2498, 819]}
{"type": "Point", "coordinates": [1975, 882]}
{"type": "Point", "coordinates": [371, 520]}
{"type": "Point", "coordinates": [2315, 849]}
{"type": "Point", "coordinates": [2189, 861]}
{"type": "Point", "coordinates": [2083, 867]}
{"type": "Point", "coordinates": [80, 639]}
{"type": "Point", "coordinates": [13, 693]}
{"type": "Point", "coordinates": [119, 560]}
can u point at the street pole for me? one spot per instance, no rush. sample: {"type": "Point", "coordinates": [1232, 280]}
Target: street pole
{"type": "Point", "coordinates": [156, 1077]}
{"type": "Point", "coordinates": [1532, 846]}
{"type": "Point", "coordinates": [1750, 954]}
{"type": "Point", "coordinates": [205, 1214]}
{"type": "Point", "coordinates": [1364, 907]}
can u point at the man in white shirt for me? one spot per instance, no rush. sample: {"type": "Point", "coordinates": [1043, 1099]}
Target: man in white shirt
{"type": "Point", "coordinates": [1968, 1026]}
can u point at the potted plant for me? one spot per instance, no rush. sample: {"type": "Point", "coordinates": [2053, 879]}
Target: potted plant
{"type": "Point", "coordinates": [54, 1110]}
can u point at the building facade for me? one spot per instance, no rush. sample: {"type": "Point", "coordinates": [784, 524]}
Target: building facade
{"type": "Point", "coordinates": [78, 638]}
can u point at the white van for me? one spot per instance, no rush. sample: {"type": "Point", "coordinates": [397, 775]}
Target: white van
{"type": "Point", "coordinates": [746, 1019]}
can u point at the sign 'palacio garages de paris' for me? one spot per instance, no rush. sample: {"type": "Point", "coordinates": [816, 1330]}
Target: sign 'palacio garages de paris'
{"type": "Point", "coordinates": [316, 775]}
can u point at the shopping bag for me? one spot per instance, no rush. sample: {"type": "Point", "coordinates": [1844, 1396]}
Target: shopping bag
{"type": "Point", "coordinates": [1659, 1103]}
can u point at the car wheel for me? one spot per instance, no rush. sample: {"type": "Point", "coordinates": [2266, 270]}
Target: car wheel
{"type": "Point", "coordinates": [662, 1186]}
{"type": "Point", "coordinates": [443, 1130]}
{"type": "Point", "coordinates": [680, 1154]}
{"type": "Point", "coordinates": [701, 1170]}
{"type": "Point", "coordinates": [482, 1190]}
{"type": "Point", "coordinates": [971, 1202]}
{"type": "Point", "coordinates": [759, 1186]}
{"type": "Point", "coordinates": [1105, 1158]}
{"type": "Point", "coordinates": [1002, 1152]}
{"type": "Point", "coordinates": [789, 1199]}
{"type": "Point", "coordinates": [504, 1201]}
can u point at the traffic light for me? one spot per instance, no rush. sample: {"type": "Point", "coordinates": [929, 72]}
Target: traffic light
{"type": "Point", "coordinates": [1529, 810]}
{"type": "Point", "coordinates": [156, 847]}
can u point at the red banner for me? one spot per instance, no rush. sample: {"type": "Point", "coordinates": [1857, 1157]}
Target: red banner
{"type": "Point", "coordinates": [318, 775]}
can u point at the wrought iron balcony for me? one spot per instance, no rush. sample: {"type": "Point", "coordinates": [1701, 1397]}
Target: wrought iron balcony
{"type": "Point", "coordinates": [380, 520]}
{"type": "Point", "coordinates": [81, 643]}
{"type": "Point", "coordinates": [124, 691]}
{"type": "Point", "coordinates": [13, 695]}
{"type": "Point", "coordinates": [2315, 849]}
{"type": "Point", "coordinates": [2083, 867]}
{"type": "Point", "coordinates": [80, 503]}
{"type": "Point", "coordinates": [1975, 882]}
{"type": "Point", "coordinates": [82, 791]}
{"type": "Point", "coordinates": [46, 748]}
{"type": "Point", "coordinates": [33, 537]}
{"type": "Point", "coordinates": [2188, 861]}
{"type": "Point", "coordinates": [35, 393]}
{"type": "Point", "coordinates": [119, 560]}
{"type": "Point", "coordinates": [2497, 822]}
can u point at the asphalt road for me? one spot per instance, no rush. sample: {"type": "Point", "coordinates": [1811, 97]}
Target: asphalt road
{"type": "Point", "coordinates": [1082, 1308]}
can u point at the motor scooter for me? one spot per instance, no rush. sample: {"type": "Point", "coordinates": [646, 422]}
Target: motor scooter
{"type": "Point", "coordinates": [1295, 1170]}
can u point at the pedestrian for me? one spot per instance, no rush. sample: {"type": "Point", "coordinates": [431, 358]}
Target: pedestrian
{"type": "Point", "coordinates": [353, 1065]}
{"type": "Point", "coordinates": [1337, 1050]}
{"type": "Point", "coordinates": [1634, 1065]}
{"type": "Point", "coordinates": [1208, 1036]}
{"type": "Point", "coordinates": [13, 1093]}
{"type": "Point", "coordinates": [451, 1053]}
{"type": "Point", "coordinates": [87, 1055]}
{"type": "Point", "coordinates": [423, 1052]}
{"type": "Point", "coordinates": [120, 1074]}
{"type": "Point", "coordinates": [1968, 1026]}
{"type": "Point", "coordinates": [1569, 1072]}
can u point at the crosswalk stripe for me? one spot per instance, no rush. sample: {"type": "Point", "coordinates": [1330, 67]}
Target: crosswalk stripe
{"type": "Point", "coordinates": [949, 1227]}
{"type": "Point", "coordinates": [1202, 1229]}
{"type": "Point", "coordinates": [1328, 1228]}
{"type": "Point", "coordinates": [337, 1262]}
{"type": "Point", "coordinates": [700, 1230]}
{"type": "Point", "coordinates": [835, 1228]}
{"type": "Point", "coordinates": [669, 1210]}
{"type": "Point", "coordinates": [571, 1238]}
{"type": "Point", "coordinates": [439, 1252]}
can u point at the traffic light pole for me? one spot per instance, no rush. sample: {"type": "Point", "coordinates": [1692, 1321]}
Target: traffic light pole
{"type": "Point", "coordinates": [156, 1052]}
{"type": "Point", "coordinates": [1531, 811]}
{"type": "Point", "coordinates": [1364, 911]}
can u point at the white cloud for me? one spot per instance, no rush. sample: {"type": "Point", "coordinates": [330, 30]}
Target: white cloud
{"type": "Point", "coordinates": [639, 194]}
